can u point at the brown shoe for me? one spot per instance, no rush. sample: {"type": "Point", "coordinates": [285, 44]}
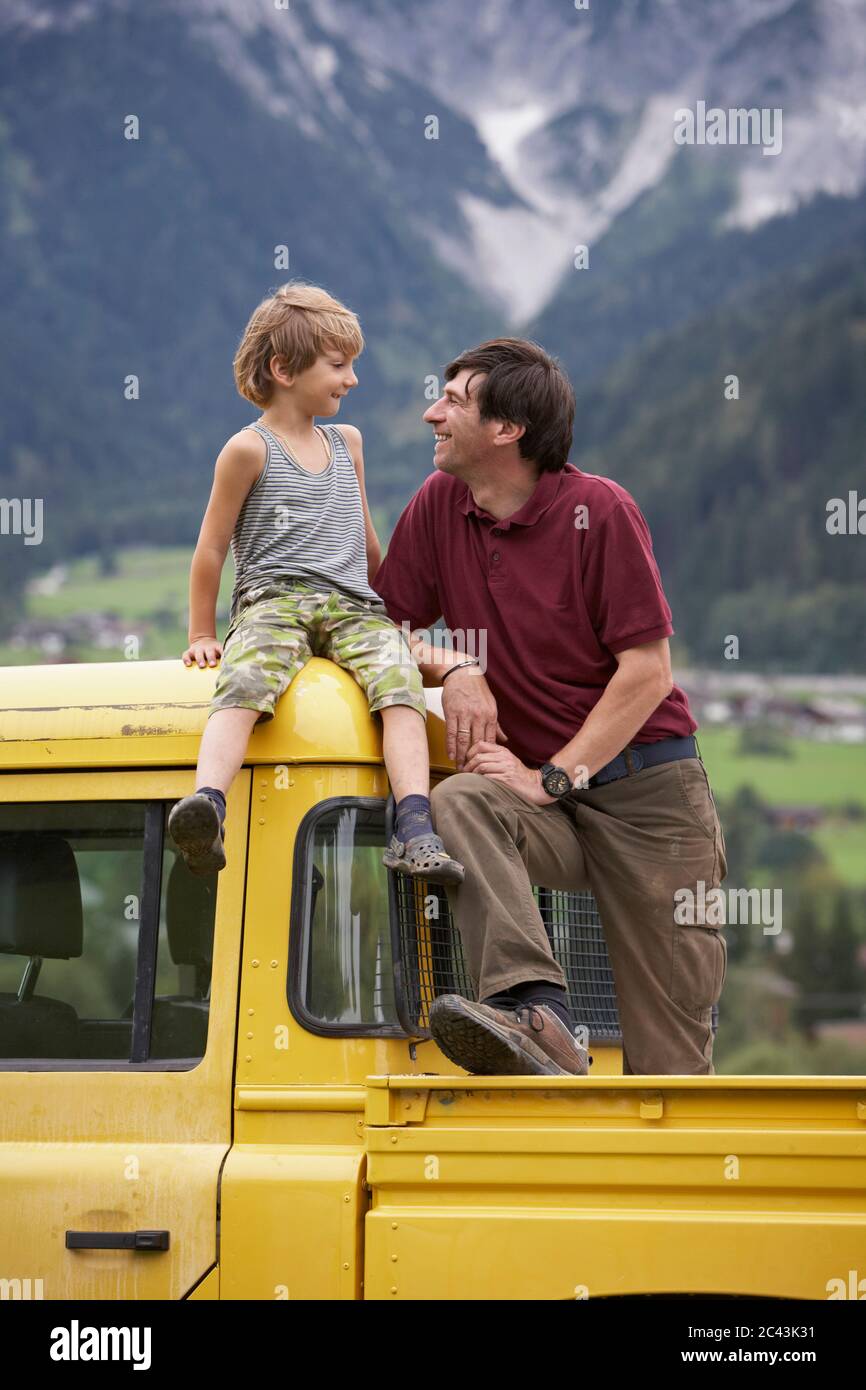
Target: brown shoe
{"type": "Point", "coordinates": [499, 1042]}
{"type": "Point", "coordinates": [548, 1032]}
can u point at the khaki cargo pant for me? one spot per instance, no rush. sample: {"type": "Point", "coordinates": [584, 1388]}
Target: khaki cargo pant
{"type": "Point", "coordinates": [633, 843]}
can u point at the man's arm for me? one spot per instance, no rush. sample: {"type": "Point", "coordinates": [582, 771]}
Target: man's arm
{"type": "Point", "coordinates": [468, 703]}
{"type": "Point", "coordinates": [434, 663]}
{"type": "Point", "coordinates": [641, 681]}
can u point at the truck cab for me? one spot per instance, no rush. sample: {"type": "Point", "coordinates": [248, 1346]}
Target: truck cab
{"type": "Point", "coordinates": [225, 1087]}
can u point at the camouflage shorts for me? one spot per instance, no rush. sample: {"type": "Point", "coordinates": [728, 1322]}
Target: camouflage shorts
{"type": "Point", "coordinates": [281, 626]}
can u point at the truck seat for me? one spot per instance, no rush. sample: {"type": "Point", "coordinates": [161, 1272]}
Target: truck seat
{"type": "Point", "coordinates": [40, 917]}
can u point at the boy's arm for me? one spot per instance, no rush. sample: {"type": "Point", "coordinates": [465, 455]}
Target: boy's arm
{"type": "Point", "coordinates": [353, 439]}
{"type": "Point", "coordinates": [237, 468]}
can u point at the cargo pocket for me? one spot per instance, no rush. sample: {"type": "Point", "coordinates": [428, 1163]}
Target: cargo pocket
{"type": "Point", "coordinates": [700, 962]}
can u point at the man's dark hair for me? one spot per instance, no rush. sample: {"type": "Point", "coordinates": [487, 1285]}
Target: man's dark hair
{"type": "Point", "coordinates": [525, 385]}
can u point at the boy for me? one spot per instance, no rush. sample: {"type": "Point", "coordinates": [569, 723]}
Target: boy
{"type": "Point", "coordinates": [289, 497]}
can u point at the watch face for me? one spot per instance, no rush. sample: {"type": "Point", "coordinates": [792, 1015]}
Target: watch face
{"type": "Point", "coordinates": [556, 782]}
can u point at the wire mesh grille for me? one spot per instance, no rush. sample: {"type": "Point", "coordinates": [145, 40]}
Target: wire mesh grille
{"type": "Point", "coordinates": [429, 961]}
{"type": "Point", "coordinates": [429, 956]}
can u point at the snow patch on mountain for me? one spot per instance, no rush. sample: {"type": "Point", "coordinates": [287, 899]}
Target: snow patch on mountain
{"type": "Point", "coordinates": [575, 108]}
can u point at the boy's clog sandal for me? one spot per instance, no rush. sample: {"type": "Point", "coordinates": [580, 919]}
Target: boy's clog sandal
{"type": "Point", "coordinates": [424, 856]}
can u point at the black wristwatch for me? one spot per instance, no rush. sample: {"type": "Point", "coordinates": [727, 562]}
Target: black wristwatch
{"type": "Point", "coordinates": [555, 780]}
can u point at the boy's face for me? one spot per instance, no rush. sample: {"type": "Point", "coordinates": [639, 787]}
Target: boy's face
{"type": "Point", "coordinates": [321, 387]}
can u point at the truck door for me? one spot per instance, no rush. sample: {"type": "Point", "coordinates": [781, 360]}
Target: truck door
{"type": "Point", "coordinates": [118, 1003]}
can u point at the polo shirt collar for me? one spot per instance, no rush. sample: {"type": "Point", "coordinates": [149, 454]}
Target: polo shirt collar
{"type": "Point", "coordinates": [535, 506]}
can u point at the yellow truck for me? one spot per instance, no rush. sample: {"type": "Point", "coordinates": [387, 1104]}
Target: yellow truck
{"type": "Point", "coordinates": [225, 1088]}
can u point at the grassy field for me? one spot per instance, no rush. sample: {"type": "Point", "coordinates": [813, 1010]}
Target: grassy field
{"type": "Point", "coordinates": [147, 596]}
{"type": "Point", "coordinates": [845, 846]}
{"type": "Point", "coordinates": [817, 774]}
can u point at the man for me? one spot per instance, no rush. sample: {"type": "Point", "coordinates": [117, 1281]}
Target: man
{"type": "Point", "coordinates": [600, 785]}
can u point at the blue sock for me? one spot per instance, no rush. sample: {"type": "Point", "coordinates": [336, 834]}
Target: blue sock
{"type": "Point", "coordinates": [413, 818]}
{"type": "Point", "coordinates": [216, 797]}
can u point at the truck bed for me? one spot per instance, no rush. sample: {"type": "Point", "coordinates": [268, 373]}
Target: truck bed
{"type": "Point", "coordinates": [552, 1188]}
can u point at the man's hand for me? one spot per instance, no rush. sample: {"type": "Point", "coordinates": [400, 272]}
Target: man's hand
{"type": "Point", "coordinates": [470, 714]}
{"type": "Point", "coordinates": [498, 763]}
{"type": "Point", "coordinates": [204, 651]}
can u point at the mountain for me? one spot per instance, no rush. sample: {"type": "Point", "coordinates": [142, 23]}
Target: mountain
{"type": "Point", "coordinates": [736, 490]}
{"type": "Point", "coordinates": [147, 256]}
{"type": "Point", "coordinates": [579, 107]}
{"type": "Point", "coordinates": [307, 127]}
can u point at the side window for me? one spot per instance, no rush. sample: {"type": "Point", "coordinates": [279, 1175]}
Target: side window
{"type": "Point", "coordinates": [370, 951]}
{"type": "Point", "coordinates": [341, 976]}
{"type": "Point", "coordinates": [106, 939]}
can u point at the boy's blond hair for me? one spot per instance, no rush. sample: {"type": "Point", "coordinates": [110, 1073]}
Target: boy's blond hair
{"type": "Point", "coordinates": [297, 323]}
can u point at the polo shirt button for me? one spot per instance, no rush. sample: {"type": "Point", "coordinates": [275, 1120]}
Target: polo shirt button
{"type": "Point", "coordinates": [495, 532]}
{"type": "Point", "coordinates": [495, 555]}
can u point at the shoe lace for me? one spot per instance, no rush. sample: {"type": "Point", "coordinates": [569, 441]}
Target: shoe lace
{"type": "Point", "coordinates": [528, 1011]}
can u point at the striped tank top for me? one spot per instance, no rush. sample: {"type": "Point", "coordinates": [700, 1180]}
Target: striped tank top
{"type": "Point", "coordinates": [300, 525]}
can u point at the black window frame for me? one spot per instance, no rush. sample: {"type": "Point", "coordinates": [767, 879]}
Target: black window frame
{"type": "Point", "coordinates": [153, 847]}
{"type": "Point", "coordinates": [300, 923]}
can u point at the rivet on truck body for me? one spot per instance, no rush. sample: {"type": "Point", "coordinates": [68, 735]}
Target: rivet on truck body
{"type": "Point", "coordinates": [254, 964]}
{"type": "Point", "coordinates": [274, 964]}
{"type": "Point", "coordinates": [393, 1138]}
{"type": "Point", "coordinates": [347, 1198]}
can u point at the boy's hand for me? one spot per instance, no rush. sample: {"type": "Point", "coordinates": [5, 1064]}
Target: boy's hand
{"type": "Point", "coordinates": [204, 651]}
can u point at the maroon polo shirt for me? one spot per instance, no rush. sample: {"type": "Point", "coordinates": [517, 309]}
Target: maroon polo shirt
{"type": "Point", "coordinates": [557, 599]}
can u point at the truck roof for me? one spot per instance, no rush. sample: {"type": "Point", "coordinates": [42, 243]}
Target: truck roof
{"type": "Point", "coordinates": [153, 713]}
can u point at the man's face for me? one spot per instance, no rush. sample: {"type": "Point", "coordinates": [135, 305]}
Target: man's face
{"type": "Point", "coordinates": [462, 438]}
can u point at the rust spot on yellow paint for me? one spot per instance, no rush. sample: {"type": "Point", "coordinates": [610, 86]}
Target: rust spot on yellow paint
{"type": "Point", "coordinates": [145, 730]}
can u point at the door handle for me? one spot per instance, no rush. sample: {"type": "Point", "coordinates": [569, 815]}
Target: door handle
{"type": "Point", "coordinates": [117, 1240]}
